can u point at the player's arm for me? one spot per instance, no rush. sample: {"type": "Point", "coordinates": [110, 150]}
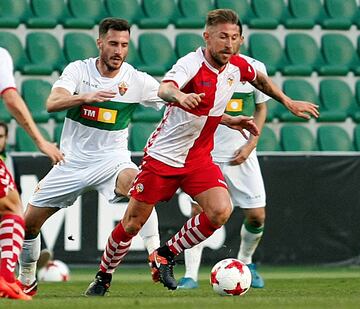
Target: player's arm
{"type": "Point", "coordinates": [61, 99]}
{"type": "Point", "coordinates": [244, 151]}
{"type": "Point", "coordinates": [17, 107]}
{"type": "Point", "coordinates": [169, 92]}
{"type": "Point", "coordinates": [298, 108]}
{"type": "Point", "coordinates": [240, 123]}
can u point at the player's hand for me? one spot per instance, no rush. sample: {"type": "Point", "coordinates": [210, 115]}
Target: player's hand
{"type": "Point", "coordinates": [191, 100]}
{"type": "Point", "coordinates": [303, 109]}
{"type": "Point", "coordinates": [241, 155]}
{"type": "Point", "coordinates": [240, 123]}
{"type": "Point", "coordinates": [99, 96]}
{"type": "Point", "coordinates": [51, 151]}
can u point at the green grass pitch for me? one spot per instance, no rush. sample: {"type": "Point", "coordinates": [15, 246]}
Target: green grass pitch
{"type": "Point", "coordinates": [286, 287]}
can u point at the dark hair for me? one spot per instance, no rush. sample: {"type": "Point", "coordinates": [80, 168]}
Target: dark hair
{"type": "Point", "coordinates": [221, 16]}
{"type": "Point", "coordinates": [118, 24]}
{"type": "Point", "coordinates": [5, 126]}
{"type": "Point", "coordinates": [240, 26]}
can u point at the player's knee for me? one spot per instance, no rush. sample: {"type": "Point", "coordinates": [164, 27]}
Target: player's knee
{"type": "Point", "coordinates": [219, 215]}
{"type": "Point", "coordinates": [31, 231]}
{"type": "Point", "coordinates": [132, 226]}
{"type": "Point", "coordinates": [7, 206]}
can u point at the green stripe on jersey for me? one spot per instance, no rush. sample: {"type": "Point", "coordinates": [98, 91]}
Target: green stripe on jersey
{"type": "Point", "coordinates": [109, 115]}
{"type": "Point", "coordinates": [241, 104]}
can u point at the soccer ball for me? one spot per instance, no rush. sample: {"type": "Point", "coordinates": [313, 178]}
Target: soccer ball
{"type": "Point", "coordinates": [230, 277]}
{"type": "Point", "coordinates": [54, 271]}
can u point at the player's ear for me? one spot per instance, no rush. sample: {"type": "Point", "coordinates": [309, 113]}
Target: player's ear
{"type": "Point", "coordinates": [99, 43]}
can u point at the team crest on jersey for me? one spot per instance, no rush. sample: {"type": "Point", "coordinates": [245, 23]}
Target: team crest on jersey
{"type": "Point", "coordinates": [123, 87]}
{"type": "Point", "coordinates": [139, 187]}
{"type": "Point", "coordinates": [230, 81]}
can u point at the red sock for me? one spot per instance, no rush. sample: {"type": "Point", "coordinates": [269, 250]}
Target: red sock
{"type": "Point", "coordinates": [11, 241]}
{"type": "Point", "coordinates": [117, 247]}
{"type": "Point", "coordinates": [194, 231]}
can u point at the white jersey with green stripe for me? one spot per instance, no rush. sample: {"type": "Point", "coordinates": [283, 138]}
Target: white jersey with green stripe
{"type": "Point", "coordinates": [243, 101]}
{"type": "Point", "coordinates": [97, 130]}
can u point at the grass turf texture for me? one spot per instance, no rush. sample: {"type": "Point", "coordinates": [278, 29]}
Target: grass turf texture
{"type": "Point", "coordinates": [285, 287]}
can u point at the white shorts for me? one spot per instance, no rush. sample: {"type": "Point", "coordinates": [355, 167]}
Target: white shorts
{"type": "Point", "coordinates": [245, 183]}
{"type": "Point", "coordinates": [64, 183]}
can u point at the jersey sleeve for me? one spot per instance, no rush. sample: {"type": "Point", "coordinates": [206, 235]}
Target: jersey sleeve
{"type": "Point", "coordinates": [7, 79]}
{"type": "Point", "coordinates": [179, 74]}
{"type": "Point", "coordinates": [150, 89]}
{"type": "Point", "coordinates": [247, 72]}
{"type": "Point", "coordinates": [70, 78]}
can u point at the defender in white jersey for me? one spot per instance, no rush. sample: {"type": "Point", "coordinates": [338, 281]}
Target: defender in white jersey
{"type": "Point", "coordinates": [177, 155]}
{"type": "Point", "coordinates": [99, 95]}
{"type": "Point", "coordinates": [238, 162]}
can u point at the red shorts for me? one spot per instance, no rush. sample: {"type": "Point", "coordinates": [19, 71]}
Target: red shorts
{"type": "Point", "coordinates": [158, 182]}
{"type": "Point", "coordinates": [6, 181]}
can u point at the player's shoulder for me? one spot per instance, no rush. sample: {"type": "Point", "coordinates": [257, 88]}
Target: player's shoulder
{"type": "Point", "coordinates": [256, 64]}
{"type": "Point", "coordinates": [4, 54]}
{"type": "Point", "coordinates": [192, 58]}
{"type": "Point", "coordinates": [80, 64]}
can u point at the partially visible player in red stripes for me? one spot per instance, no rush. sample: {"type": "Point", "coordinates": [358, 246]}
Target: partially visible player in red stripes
{"type": "Point", "coordinates": [11, 212]}
{"type": "Point", "coordinates": [177, 155]}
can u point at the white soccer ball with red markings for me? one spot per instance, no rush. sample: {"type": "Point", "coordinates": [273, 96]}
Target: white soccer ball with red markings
{"type": "Point", "coordinates": [54, 271]}
{"type": "Point", "coordinates": [230, 277]}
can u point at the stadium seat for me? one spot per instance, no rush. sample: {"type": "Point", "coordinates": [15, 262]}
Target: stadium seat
{"type": "Point", "coordinates": [301, 54]}
{"type": "Point", "coordinates": [4, 113]}
{"type": "Point", "coordinates": [12, 43]}
{"type": "Point", "coordinates": [147, 114]}
{"type": "Point", "coordinates": [193, 13]}
{"type": "Point", "coordinates": [333, 138]}
{"type": "Point", "coordinates": [46, 13]}
{"type": "Point", "coordinates": [266, 48]}
{"type": "Point", "coordinates": [84, 13]}
{"type": "Point", "coordinates": [156, 52]}
{"type": "Point", "coordinates": [57, 133]}
{"type": "Point", "coordinates": [338, 54]}
{"type": "Point", "coordinates": [299, 90]}
{"type": "Point", "coordinates": [12, 13]}
{"type": "Point", "coordinates": [357, 138]}
{"type": "Point", "coordinates": [158, 13]}
{"type": "Point", "coordinates": [78, 46]}
{"type": "Point", "coordinates": [336, 100]}
{"type": "Point", "coordinates": [139, 134]}
{"type": "Point", "coordinates": [187, 42]}
{"type": "Point", "coordinates": [241, 7]}
{"type": "Point", "coordinates": [339, 14]}
{"type": "Point", "coordinates": [35, 93]}
{"type": "Point", "coordinates": [267, 14]}
{"type": "Point", "coordinates": [356, 63]}
{"type": "Point", "coordinates": [24, 141]}
{"type": "Point", "coordinates": [297, 138]}
{"type": "Point", "coordinates": [44, 53]}
{"type": "Point", "coordinates": [303, 14]}
{"type": "Point", "coordinates": [272, 106]}
{"type": "Point", "coordinates": [268, 140]}
{"type": "Point", "coordinates": [127, 9]}
{"type": "Point", "coordinates": [356, 113]}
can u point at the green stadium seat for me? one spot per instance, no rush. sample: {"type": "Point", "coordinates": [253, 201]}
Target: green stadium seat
{"type": "Point", "coordinates": [127, 9]}
{"type": "Point", "coordinates": [303, 14]}
{"type": "Point", "coordinates": [272, 106]}
{"type": "Point", "coordinates": [46, 13]}
{"type": "Point", "coordinates": [24, 141]}
{"type": "Point", "coordinates": [139, 134]}
{"type": "Point", "coordinates": [267, 140]}
{"type": "Point", "coordinates": [336, 100]}
{"type": "Point", "coordinates": [4, 113]}
{"type": "Point", "coordinates": [297, 138]}
{"type": "Point", "coordinates": [357, 138]}
{"type": "Point", "coordinates": [356, 63]}
{"type": "Point", "coordinates": [298, 90]}
{"type": "Point", "coordinates": [187, 42]}
{"type": "Point", "coordinates": [84, 13]}
{"type": "Point", "coordinates": [44, 53]}
{"type": "Point", "coordinates": [333, 138]}
{"type": "Point", "coordinates": [267, 14]}
{"type": "Point", "coordinates": [158, 14]}
{"type": "Point", "coordinates": [193, 13]}
{"type": "Point", "coordinates": [241, 7]}
{"type": "Point", "coordinates": [78, 46]}
{"type": "Point", "coordinates": [339, 14]}
{"type": "Point", "coordinates": [301, 54]}
{"type": "Point", "coordinates": [57, 133]}
{"type": "Point", "coordinates": [338, 54]}
{"type": "Point", "coordinates": [356, 113]}
{"type": "Point", "coordinates": [35, 93]}
{"type": "Point", "coordinates": [13, 13]}
{"type": "Point", "coordinates": [156, 52]}
{"type": "Point", "coordinates": [147, 114]}
{"type": "Point", "coordinates": [12, 43]}
{"type": "Point", "coordinates": [266, 48]}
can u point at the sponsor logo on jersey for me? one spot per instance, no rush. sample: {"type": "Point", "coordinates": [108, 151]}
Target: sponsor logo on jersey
{"type": "Point", "coordinates": [230, 81]}
{"type": "Point", "coordinates": [98, 114]}
{"type": "Point", "coordinates": [139, 187]}
{"type": "Point", "coordinates": [123, 87]}
{"type": "Point", "coordinates": [234, 105]}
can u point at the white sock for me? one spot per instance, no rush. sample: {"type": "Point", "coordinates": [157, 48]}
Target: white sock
{"type": "Point", "coordinates": [192, 261]}
{"type": "Point", "coordinates": [28, 259]}
{"type": "Point", "coordinates": [248, 245]}
{"type": "Point", "coordinates": [150, 232]}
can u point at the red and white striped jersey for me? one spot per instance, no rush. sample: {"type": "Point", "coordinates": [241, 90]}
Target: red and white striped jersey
{"type": "Point", "coordinates": [186, 137]}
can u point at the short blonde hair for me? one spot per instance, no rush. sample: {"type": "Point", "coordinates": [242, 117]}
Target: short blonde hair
{"type": "Point", "coordinates": [221, 16]}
